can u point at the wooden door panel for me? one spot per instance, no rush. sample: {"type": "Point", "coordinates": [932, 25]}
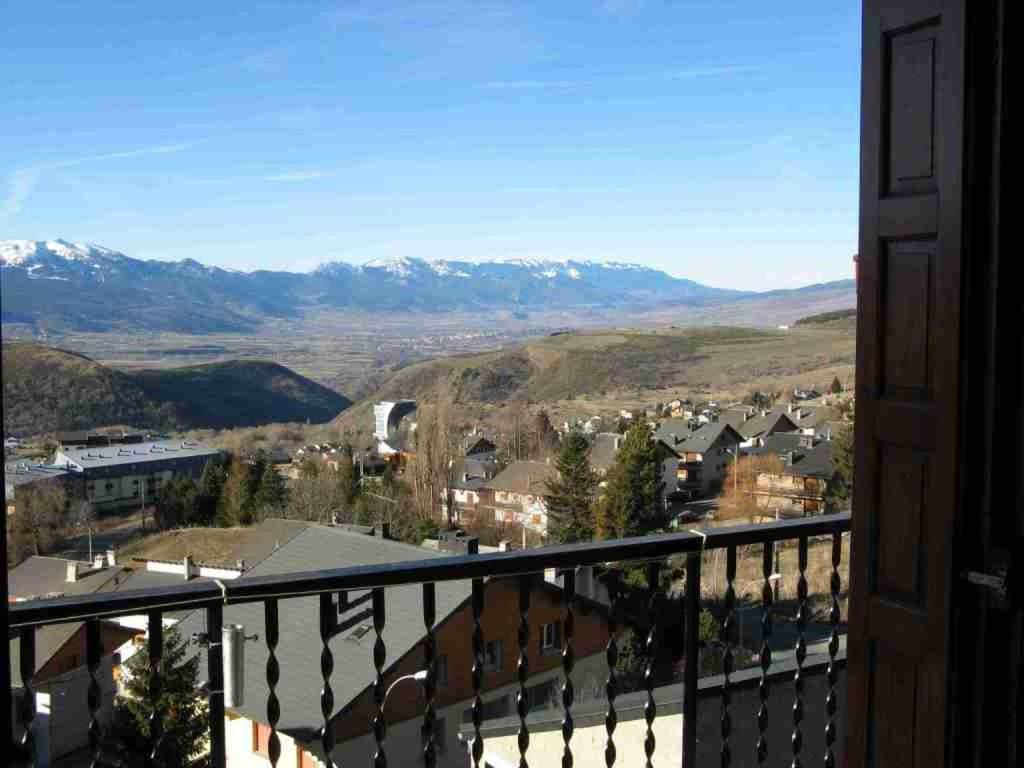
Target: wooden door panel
{"type": "Point", "coordinates": [908, 384]}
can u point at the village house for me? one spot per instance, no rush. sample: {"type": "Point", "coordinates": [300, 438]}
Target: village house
{"type": "Point", "coordinates": [800, 488]}
{"type": "Point", "coordinates": [757, 429]}
{"type": "Point", "coordinates": [704, 455]}
{"type": "Point", "coordinates": [604, 447]}
{"type": "Point", "coordinates": [516, 494]}
{"type": "Point", "coordinates": [351, 643]}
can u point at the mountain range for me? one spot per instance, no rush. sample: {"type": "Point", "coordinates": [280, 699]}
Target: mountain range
{"type": "Point", "coordinates": [56, 285]}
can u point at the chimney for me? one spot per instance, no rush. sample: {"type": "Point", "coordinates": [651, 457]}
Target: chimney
{"type": "Point", "coordinates": [71, 573]}
{"type": "Point", "coordinates": [112, 557]}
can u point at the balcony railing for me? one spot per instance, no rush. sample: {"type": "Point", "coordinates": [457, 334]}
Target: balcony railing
{"type": "Point", "coordinates": [26, 617]}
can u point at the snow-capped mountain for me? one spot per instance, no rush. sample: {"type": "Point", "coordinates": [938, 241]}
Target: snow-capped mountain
{"type": "Point", "coordinates": [64, 285]}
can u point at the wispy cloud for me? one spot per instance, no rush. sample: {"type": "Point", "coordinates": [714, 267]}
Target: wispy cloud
{"type": "Point", "coordinates": [691, 73]}
{"type": "Point", "coordinates": [293, 176]}
{"type": "Point", "coordinates": [23, 180]}
{"type": "Point", "coordinates": [21, 184]}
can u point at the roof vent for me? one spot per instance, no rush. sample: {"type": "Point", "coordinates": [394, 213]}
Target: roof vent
{"type": "Point", "coordinates": [360, 632]}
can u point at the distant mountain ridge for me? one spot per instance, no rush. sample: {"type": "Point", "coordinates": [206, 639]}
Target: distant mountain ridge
{"type": "Point", "coordinates": [48, 389]}
{"type": "Point", "coordinates": [61, 285]}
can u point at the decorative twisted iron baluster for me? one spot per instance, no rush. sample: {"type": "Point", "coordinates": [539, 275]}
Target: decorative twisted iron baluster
{"type": "Point", "coordinates": [270, 621]}
{"type": "Point", "coordinates": [523, 667]}
{"type": "Point", "coordinates": [801, 654]}
{"type": "Point", "coordinates": [832, 673]}
{"type": "Point", "coordinates": [156, 685]}
{"type": "Point", "coordinates": [478, 670]}
{"type": "Point", "coordinates": [27, 667]}
{"type": "Point", "coordinates": [725, 636]}
{"type": "Point", "coordinates": [328, 612]}
{"type": "Point", "coordinates": [93, 655]}
{"type": "Point", "coordinates": [430, 684]}
{"type": "Point", "coordinates": [380, 654]}
{"type": "Point", "coordinates": [215, 668]}
{"type": "Point", "coordinates": [767, 561]}
{"type": "Point", "coordinates": [568, 662]}
{"type": "Point", "coordinates": [611, 654]}
{"type": "Point", "coordinates": [651, 652]}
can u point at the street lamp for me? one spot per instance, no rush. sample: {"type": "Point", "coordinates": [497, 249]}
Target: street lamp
{"type": "Point", "coordinates": [420, 677]}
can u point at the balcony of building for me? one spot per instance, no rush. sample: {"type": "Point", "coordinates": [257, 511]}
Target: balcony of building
{"type": "Point", "coordinates": [483, 653]}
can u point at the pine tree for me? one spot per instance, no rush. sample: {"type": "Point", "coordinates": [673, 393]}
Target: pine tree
{"type": "Point", "coordinates": [176, 503]}
{"type": "Point", "coordinates": [839, 491]}
{"type": "Point", "coordinates": [837, 386]}
{"type": "Point", "coordinates": [631, 491]}
{"type": "Point", "coordinates": [211, 485]}
{"type": "Point", "coordinates": [180, 705]}
{"type": "Point", "coordinates": [570, 497]}
{"type": "Point", "coordinates": [271, 494]}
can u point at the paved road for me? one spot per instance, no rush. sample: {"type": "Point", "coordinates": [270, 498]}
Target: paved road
{"type": "Point", "coordinates": [116, 537]}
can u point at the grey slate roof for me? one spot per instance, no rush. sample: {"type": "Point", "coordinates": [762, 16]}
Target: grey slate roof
{"type": "Point", "coordinates": [737, 415]}
{"type": "Point", "coordinates": [704, 438]}
{"type": "Point", "coordinates": [321, 547]}
{"type": "Point", "coordinates": [20, 472]}
{"type": "Point", "coordinates": [479, 472]}
{"type": "Point", "coordinates": [773, 421]}
{"type": "Point", "coordinates": [816, 462]}
{"type": "Point", "coordinates": [673, 431]}
{"type": "Point", "coordinates": [39, 576]}
{"type": "Point", "coordinates": [524, 477]}
{"type": "Point", "coordinates": [116, 455]}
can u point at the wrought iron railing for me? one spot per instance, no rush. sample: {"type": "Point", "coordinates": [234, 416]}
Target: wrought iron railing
{"type": "Point", "coordinates": [269, 590]}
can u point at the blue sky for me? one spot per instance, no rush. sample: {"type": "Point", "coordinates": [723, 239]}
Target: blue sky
{"type": "Point", "coordinates": [715, 140]}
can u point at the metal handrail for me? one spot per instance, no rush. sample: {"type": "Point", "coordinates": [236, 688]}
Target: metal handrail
{"type": "Point", "coordinates": [37, 613]}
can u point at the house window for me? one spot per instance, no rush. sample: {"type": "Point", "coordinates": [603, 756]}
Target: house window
{"type": "Point", "coordinates": [492, 656]}
{"type": "Point", "coordinates": [492, 710]}
{"type": "Point", "coordinates": [542, 695]}
{"type": "Point", "coordinates": [441, 670]}
{"type": "Point", "coordinates": [551, 637]}
{"type": "Point", "coordinates": [261, 739]}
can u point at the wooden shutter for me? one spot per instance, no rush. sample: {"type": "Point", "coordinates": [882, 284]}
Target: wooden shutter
{"type": "Point", "coordinates": [907, 485]}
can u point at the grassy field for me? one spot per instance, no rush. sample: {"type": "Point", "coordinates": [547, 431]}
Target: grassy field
{"type": "Point", "coordinates": [204, 545]}
{"type": "Point", "coordinates": [598, 373]}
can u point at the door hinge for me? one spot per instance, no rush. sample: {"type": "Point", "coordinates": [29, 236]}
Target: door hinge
{"type": "Point", "coordinates": [996, 582]}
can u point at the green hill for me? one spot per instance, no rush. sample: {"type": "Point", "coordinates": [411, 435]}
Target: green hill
{"type": "Point", "coordinates": [827, 318]}
{"type": "Point", "coordinates": [581, 372]}
{"type": "Point", "coordinates": [48, 389]}
{"type": "Point", "coordinates": [240, 393]}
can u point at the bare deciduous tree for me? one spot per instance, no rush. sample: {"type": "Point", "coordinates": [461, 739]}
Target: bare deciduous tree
{"type": "Point", "coordinates": [741, 498]}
